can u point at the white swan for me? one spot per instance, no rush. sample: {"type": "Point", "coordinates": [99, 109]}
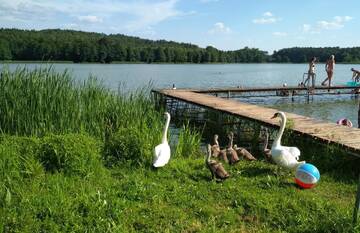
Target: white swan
{"type": "Point", "coordinates": [284, 156]}
{"type": "Point", "coordinates": [162, 151]}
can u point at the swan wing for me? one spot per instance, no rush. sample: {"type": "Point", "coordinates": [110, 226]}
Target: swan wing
{"type": "Point", "coordinates": [162, 155]}
{"type": "Point", "coordinates": [294, 151]}
{"type": "Point", "coordinates": [284, 158]}
{"type": "Point", "coordinates": [157, 151]}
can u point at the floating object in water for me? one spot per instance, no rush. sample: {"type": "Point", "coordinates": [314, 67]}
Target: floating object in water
{"type": "Point", "coordinates": [344, 121]}
{"type": "Point", "coordinates": [307, 175]}
{"type": "Point", "coordinates": [353, 84]}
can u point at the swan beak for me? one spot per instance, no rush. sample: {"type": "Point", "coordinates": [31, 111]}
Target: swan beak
{"type": "Point", "coordinates": [275, 115]}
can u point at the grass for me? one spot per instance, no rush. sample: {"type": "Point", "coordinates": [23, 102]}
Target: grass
{"type": "Point", "coordinates": [76, 157]}
{"type": "Point", "coordinates": [178, 198]}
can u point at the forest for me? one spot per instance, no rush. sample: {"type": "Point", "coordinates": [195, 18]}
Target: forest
{"type": "Point", "coordinates": [78, 46]}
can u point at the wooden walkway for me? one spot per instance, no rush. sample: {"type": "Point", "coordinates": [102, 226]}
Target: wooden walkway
{"type": "Point", "coordinates": [348, 138]}
{"type": "Point", "coordinates": [272, 89]}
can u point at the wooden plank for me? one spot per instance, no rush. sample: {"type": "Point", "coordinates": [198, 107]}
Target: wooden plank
{"type": "Point", "coordinates": [268, 89]}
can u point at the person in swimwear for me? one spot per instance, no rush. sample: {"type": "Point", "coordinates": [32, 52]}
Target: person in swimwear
{"type": "Point", "coordinates": [345, 122]}
{"type": "Point", "coordinates": [311, 72]}
{"type": "Point", "coordinates": [356, 75]}
{"type": "Point", "coordinates": [329, 67]}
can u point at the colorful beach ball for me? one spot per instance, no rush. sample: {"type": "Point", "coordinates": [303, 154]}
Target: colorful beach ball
{"type": "Point", "coordinates": [307, 175]}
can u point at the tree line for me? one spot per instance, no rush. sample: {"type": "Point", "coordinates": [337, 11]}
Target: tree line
{"type": "Point", "coordinates": [78, 46]}
{"type": "Point", "coordinates": [300, 55]}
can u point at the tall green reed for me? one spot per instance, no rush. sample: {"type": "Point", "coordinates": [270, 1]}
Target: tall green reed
{"type": "Point", "coordinates": [189, 141]}
{"type": "Point", "coordinates": [41, 101]}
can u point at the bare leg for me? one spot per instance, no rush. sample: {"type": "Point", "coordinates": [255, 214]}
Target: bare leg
{"type": "Point", "coordinates": [328, 78]}
{"type": "Point", "coordinates": [330, 74]}
{"type": "Point", "coordinates": [307, 79]}
{"type": "Point", "coordinates": [313, 80]}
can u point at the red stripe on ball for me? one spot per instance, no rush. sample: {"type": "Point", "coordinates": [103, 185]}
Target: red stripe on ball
{"type": "Point", "coordinates": [303, 185]}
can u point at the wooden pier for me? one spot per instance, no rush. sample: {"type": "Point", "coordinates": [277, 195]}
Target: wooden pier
{"type": "Point", "coordinates": [349, 89]}
{"type": "Point", "coordinates": [326, 132]}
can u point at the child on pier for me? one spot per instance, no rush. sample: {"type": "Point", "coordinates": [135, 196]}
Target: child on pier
{"type": "Point", "coordinates": [356, 75]}
{"type": "Point", "coordinates": [311, 73]}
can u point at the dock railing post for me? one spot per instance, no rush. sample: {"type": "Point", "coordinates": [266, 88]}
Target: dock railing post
{"type": "Point", "coordinates": [357, 204]}
{"type": "Point", "coordinates": [359, 114]}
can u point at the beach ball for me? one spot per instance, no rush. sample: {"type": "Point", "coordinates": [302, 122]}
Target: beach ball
{"type": "Point", "coordinates": [307, 175]}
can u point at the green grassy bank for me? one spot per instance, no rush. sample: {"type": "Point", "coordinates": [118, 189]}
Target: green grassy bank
{"type": "Point", "coordinates": [76, 157]}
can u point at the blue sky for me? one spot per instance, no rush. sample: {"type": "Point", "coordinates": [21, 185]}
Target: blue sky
{"type": "Point", "coordinates": [225, 24]}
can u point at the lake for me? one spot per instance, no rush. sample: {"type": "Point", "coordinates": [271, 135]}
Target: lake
{"type": "Point", "coordinates": [132, 76]}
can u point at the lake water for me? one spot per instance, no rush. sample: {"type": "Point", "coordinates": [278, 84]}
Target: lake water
{"type": "Point", "coordinates": [132, 76]}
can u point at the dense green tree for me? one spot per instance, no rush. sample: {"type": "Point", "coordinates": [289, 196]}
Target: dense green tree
{"type": "Point", "coordinates": [160, 55]}
{"type": "Point", "coordinates": [5, 52]}
{"type": "Point", "coordinates": [77, 46]}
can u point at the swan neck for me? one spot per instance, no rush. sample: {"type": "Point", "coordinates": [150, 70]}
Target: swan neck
{"type": "Point", "coordinates": [208, 155]}
{"type": "Point", "coordinates": [164, 139]}
{"type": "Point", "coordinates": [216, 142]}
{"type": "Point", "coordinates": [266, 141]}
{"type": "Point", "coordinates": [277, 141]}
{"type": "Point", "coordinates": [231, 139]}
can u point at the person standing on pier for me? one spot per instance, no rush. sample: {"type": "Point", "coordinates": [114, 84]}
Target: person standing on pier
{"type": "Point", "coordinates": [311, 73]}
{"type": "Point", "coordinates": [329, 67]}
{"type": "Point", "coordinates": [356, 75]}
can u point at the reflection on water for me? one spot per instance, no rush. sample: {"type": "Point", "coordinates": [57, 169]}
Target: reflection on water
{"type": "Point", "coordinates": [325, 107]}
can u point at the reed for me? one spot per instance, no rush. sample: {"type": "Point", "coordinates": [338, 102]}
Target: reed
{"type": "Point", "coordinates": [41, 101]}
{"type": "Point", "coordinates": [188, 142]}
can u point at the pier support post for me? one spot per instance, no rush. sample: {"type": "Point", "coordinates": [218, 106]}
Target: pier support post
{"type": "Point", "coordinates": [359, 115]}
{"type": "Point", "coordinates": [357, 204]}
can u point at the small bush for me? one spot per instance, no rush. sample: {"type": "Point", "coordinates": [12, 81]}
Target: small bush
{"type": "Point", "coordinates": [129, 144]}
{"type": "Point", "coordinates": [72, 154]}
{"type": "Point", "coordinates": [17, 157]}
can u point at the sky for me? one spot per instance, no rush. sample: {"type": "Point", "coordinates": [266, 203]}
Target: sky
{"type": "Point", "coordinates": [225, 24]}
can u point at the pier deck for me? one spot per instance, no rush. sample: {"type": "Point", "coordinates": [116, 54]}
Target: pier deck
{"type": "Point", "coordinates": [326, 132]}
{"type": "Point", "coordinates": [273, 89]}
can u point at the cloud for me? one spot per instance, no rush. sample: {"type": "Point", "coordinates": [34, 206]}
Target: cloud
{"type": "Point", "coordinates": [307, 28]}
{"type": "Point", "coordinates": [149, 14]}
{"type": "Point", "coordinates": [267, 18]}
{"type": "Point", "coordinates": [280, 34]}
{"type": "Point", "coordinates": [134, 15]}
{"type": "Point", "coordinates": [90, 19]}
{"type": "Point", "coordinates": [268, 14]}
{"type": "Point", "coordinates": [219, 28]}
{"type": "Point", "coordinates": [336, 23]}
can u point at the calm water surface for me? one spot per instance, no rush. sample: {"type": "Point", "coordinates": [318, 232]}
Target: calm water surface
{"type": "Point", "coordinates": [132, 76]}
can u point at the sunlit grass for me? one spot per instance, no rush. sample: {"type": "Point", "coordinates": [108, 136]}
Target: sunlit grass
{"type": "Point", "coordinates": [76, 157]}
